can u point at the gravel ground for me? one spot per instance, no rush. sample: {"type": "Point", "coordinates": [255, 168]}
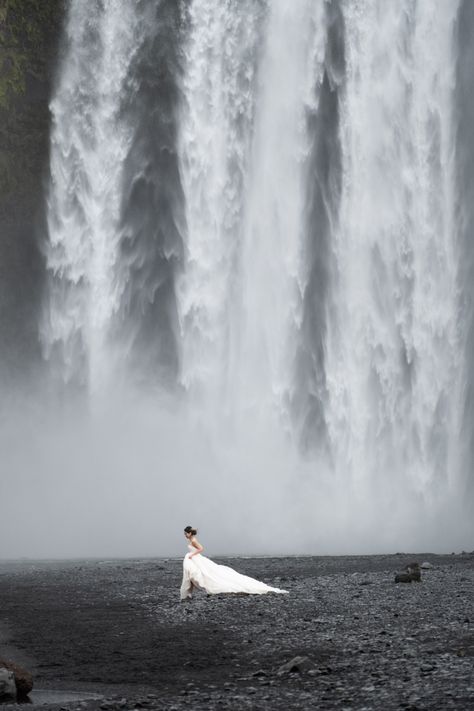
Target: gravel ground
{"type": "Point", "coordinates": [117, 628]}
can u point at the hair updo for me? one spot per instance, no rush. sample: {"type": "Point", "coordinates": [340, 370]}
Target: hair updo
{"type": "Point", "coordinates": [191, 530]}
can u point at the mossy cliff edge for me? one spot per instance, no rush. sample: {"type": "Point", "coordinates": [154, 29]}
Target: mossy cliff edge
{"type": "Point", "coordinates": [29, 42]}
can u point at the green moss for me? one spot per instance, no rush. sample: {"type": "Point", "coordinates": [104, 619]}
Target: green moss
{"type": "Point", "coordinates": [25, 27]}
{"type": "Point", "coordinates": [29, 31]}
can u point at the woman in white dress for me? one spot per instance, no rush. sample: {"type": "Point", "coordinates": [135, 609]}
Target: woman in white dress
{"type": "Point", "coordinates": [201, 572]}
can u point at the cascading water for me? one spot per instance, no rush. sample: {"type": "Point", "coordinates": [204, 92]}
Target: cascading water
{"type": "Point", "coordinates": [89, 145]}
{"type": "Point", "coordinates": [252, 218]}
{"type": "Point", "coordinates": [244, 274]}
{"type": "Point", "coordinates": [393, 344]}
{"type": "Point", "coordinates": [216, 123]}
{"type": "Point", "coordinates": [274, 272]}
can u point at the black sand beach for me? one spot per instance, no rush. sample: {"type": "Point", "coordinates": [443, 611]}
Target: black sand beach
{"type": "Point", "coordinates": [118, 629]}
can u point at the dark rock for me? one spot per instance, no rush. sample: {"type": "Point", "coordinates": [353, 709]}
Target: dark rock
{"type": "Point", "coordinates": [297, 665]}
{"type": "Point", "coordinates": [23, 678]}
{"type": "Point", "coordinates": [403, 578]}
{"type": "Point", "coordinates": [7, 685]}
{"type": "Point", "coordinates": [427, 668]}
{"type": "Point", "coordinates": [414, 570]}
{"type": "Point", "coordinates": [411, 573]}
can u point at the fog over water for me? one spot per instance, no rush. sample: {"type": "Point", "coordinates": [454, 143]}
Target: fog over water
{"type": "Point", "coordinates": [258, 303]}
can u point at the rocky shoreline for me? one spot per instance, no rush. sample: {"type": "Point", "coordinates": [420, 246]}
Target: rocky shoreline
{"type": "Point", "coordinates": [116, 629]}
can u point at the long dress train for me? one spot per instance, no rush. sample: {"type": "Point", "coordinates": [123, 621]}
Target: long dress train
{"type": "Point", "coordinates": [202, 572]}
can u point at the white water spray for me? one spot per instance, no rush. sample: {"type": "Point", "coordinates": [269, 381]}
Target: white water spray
{"type": "Point", "coordinates": [89, 143]}
{"type": "Point", "coordinates": [243, 150]}
{"type": "Point", "coordinates": [215, 140]}
{"type": "Point", "coordinates": [264, 119]}
{"type": "Point", "coordinates": [393, 349]}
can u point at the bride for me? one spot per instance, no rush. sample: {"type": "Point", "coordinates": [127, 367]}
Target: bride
{"type": "Point", "coordinates": [201, 572]}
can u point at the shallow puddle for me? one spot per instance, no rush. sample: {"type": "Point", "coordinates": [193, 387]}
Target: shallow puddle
{"type": "Point", "coordinates": [50, 696]}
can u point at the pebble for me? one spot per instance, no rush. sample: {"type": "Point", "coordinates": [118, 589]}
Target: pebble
{"type": "Point", "coordinates": [344, 636]}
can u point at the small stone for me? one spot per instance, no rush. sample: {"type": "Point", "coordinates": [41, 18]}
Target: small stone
{"type": "Point", "coordinates": [297, 665]}
{"type": "Point", "coordinates": [426, 566]}
{"type": "Point", "coordinates": [427, 668]}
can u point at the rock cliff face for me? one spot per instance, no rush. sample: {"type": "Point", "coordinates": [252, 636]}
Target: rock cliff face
{"type": "Point", "coordinates": [29, 34]}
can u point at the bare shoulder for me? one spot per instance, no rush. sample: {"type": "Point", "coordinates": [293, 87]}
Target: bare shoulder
{"type": "Point", "coordinates": [195, 542]}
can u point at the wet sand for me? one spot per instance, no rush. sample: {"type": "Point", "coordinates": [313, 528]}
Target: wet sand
{"type": "Point", "coordinates": [117, 628]}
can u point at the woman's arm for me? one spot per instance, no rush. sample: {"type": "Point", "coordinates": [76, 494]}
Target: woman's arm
{"type": "Point", "coordinates": [198, 546]}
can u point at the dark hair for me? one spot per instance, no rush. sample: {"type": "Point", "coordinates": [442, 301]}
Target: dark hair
{"type": "Point", "coordinates": [191, 530]}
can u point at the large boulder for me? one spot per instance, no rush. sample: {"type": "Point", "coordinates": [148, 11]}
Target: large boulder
{"type": "Point", "coordinates": [411, 574]}
{"type": "Point", "coordinates": [403, 578]}
{"type": "Point", "coordinates": [23, 678]}
{"type": "Point", "coordinates": [7, 685]}
{"type": "Point", "coordinates": [414, 570]}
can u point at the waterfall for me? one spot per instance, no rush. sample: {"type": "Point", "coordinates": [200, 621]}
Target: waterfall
{"type": "Point", "coordinates": [393, 343]}
{"type": "Point", "coordinates": [252, 223]}
{"type": "Point", "coordinates": [215, 142]}
{"type": "Point", "coordinates": [112, 222]}
{"type": "Point", "coordinates": [275, 229]}
{"type": "Point", "coordinates": [89, 143]}
{"type": "Point", "coordinates": [241, 290]}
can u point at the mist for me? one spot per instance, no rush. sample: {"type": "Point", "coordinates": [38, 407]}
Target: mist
{"type": "Point", "coordinates": [125, 480]}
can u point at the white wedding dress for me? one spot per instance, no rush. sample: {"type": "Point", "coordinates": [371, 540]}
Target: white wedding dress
{"type": "Point", "coordinates": [201, 572]}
